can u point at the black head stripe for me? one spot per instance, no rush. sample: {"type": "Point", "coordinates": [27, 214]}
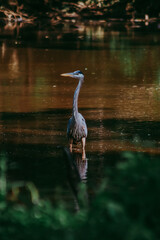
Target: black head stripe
{"type": "Point", "coordinates": [78, 72]}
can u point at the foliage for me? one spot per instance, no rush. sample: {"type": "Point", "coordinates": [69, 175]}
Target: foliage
{"type": "Point", "coordinates": [125, 207]}
{"type": "Point", "coordinates": [29, 10]}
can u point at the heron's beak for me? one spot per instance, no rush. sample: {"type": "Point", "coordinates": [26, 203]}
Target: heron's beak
{"type": "Point", "coordinates": [67, 75]}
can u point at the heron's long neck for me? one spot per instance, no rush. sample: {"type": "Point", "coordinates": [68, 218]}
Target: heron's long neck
{"type": "Point", "coordinates": [75, 99]}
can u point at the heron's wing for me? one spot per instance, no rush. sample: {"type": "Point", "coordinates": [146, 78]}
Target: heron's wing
{"type": "Point", "coordinates": [77, 129]}
{"type": "Point", "coordinates": [69, 126]}
{"type": "Point", "coordinates": [84, 125]}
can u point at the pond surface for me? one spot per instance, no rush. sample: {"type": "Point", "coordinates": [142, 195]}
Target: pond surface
{"type": "Point", "coordinates": [119, 99]}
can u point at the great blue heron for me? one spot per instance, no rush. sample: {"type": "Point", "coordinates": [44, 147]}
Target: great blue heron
{"type": "Point", "coordinates": [77, 128]}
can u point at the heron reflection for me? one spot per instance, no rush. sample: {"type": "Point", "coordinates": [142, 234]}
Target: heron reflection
{"type": "Point", "coordinates": [76, 174]}
{"type": "Point", "coordinates": [82, 166]}
{"type": "Point", "coordinates": [77, 128]}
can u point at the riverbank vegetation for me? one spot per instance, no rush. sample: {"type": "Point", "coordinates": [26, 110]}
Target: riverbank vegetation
{"type": "Point", "coordinates": [57, 11]}
{"type": "Point", "coordinates": [126, 206]}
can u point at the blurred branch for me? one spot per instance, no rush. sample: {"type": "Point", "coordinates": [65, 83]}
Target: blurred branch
{"type": "Point", "coordinates": [16, 16]}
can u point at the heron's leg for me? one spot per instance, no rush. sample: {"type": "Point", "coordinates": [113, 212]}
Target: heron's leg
{"type": "Point", "coordinates": [70, 144]}
{"type": "Point", "coordinates": [83, 148]}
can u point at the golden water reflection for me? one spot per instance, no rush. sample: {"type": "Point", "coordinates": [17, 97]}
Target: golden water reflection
{"type": "Point", "coordinates": [32, 78]}
{"type": "Point", "coordinates": [30, 82]}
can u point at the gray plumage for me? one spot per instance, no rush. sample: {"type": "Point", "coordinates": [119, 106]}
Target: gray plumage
{"type": "Point", "coordinates": [77, 128]}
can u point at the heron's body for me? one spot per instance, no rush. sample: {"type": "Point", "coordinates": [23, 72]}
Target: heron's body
{"type": "Point", "coordinates": [77, 131]}
{"type": "Point", "coordinates": [77, 128]}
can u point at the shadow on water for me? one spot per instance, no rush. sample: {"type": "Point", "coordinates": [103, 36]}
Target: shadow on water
{"type": "Point", "coordinates": [49, 127]}
{"type": "Point", "coordinates": [34, 145]}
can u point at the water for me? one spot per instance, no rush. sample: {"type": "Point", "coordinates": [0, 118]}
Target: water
{"type": "Point", "coordinates": [119, 100]}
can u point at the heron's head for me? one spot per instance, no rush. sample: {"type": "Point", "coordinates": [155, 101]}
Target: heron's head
{"type": "Point", "coordinates": [76, 74]}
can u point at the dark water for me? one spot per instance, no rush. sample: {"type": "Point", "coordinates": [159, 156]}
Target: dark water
{"type": "Point", "coordinates": [119, 99]}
